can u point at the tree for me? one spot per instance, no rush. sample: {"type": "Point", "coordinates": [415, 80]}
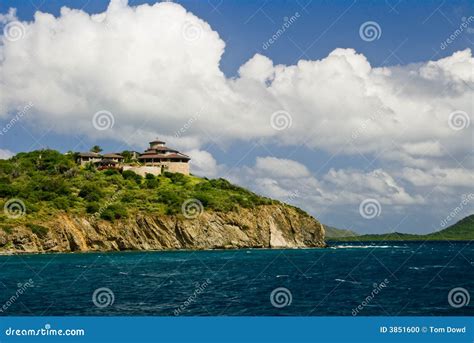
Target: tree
{"type": "Point", "coordinates": [96, 149]}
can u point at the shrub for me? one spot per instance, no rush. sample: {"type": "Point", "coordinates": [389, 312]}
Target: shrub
{"type": "Point", "coordinates": [110, 172]}
{"type": "Point", "coordinates": [62, 203]}
{"type": "Point", "coordinates": [114, 211]}
{"type": "Point", "coordinates": [176, 178]}
{"type": "Point", "coordinates": [7, 229]}
{"type": "Point", "coordinates": [152, 183]}
{"type": "Point", "coordinates": [38, 230]}
{"type": "Point", "coordinates": [92, 207]}
{"type": "Point", "coordinates": [91, 192]}
{"type": "Point", "coordinates": [131, 175]}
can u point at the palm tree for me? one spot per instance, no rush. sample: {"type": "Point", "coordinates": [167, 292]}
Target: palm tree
{"type": "Point", "coordinates": [96, 149]}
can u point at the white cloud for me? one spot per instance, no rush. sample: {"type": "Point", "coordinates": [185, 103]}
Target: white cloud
{"type": "Point", "coordinates": [456, 177]}
{"type": "Point", "coordinates": [278, 167]}
{"type": "Point", "coordinates": [6, 154]}
{"type": "Point", "coordinates": [146, 66]}
{"type": "Point", "coordinates": [203, 163]}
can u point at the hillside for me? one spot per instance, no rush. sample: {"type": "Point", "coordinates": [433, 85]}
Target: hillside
{"type": "Point", "coordinates": [463, 230]}
{"type": "Point", "coordinates": [51, 204]}
{"type": "Point", "coordinates": [332, 232]}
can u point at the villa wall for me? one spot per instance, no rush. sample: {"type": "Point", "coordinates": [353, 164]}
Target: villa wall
{"type": "Point", "coordinates": [172, 167]}
{"type": "Point", "coordinates": [143, 170]}
{"type": "Point", "coordinates": [176, 167]}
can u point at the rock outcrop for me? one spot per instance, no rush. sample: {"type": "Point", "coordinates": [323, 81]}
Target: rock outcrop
{"type": "Point", "coordinates": [266, 226]}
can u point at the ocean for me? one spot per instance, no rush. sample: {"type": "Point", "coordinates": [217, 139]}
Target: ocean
{"type": "Point", "coordinates": [346, 279]}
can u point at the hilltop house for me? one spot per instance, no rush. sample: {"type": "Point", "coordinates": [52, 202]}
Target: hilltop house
{"type": "Point", "coordinates": [155, 160]}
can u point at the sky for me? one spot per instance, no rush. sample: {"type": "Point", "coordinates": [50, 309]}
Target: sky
{"type": "Point", "coordinates": [359, 112]}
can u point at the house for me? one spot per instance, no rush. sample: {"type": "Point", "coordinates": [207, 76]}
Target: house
{"type": "Point", "coordinates": [167, 159]}
{"type": "Point", "coordinates": [114, 157]}
{"type": "Point", "coordinates": [158, 158]}
{"type": "Point", "coordinates": [88, 157]}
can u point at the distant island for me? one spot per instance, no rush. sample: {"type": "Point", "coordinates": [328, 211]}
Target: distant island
{"type": "Point", "coordinates": [463, 230]}
{"type": "Point", "coordinates": [54, 202]}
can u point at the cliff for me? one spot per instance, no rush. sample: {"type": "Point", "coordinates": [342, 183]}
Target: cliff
{"type": "Point", "coordinates": [266, 226]}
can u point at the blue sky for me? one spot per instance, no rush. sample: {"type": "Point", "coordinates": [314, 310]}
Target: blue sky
{"type": "Point", "coordinates": [411, 34]}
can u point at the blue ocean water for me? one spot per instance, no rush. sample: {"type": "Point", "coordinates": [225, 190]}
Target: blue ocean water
{"type": "Point", "coordinates": [346, 279]}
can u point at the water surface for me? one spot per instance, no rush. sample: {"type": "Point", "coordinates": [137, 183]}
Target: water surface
{"type": "Point", "coordinates": [332, 281]}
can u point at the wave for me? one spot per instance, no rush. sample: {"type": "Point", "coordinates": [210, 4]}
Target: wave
{"type": "Point", "coordinates": [353, 282]}
{"type": "Point", "coordinates": [366, 246]}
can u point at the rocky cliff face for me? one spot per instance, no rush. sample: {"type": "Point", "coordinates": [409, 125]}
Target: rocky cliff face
{"type": "Point", "coordinates": [268, 226]}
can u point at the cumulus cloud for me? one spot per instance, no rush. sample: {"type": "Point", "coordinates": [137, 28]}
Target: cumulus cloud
{"type": "Point", "coordinates": [5, 154]}
{"type": "Point", "coordinates": [154, 66]}
{"type": "Point", "coordinates": [203, 163]}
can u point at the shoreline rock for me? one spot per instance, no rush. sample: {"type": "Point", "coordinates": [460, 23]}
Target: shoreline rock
{"type": "Point", "coordinates": [266, 226]}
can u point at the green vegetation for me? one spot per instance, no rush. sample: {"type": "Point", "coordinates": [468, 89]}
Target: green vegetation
{"type": "Point", "coordinates": [48, 183]}
{"type": "Point", "coordinates": [332, 232]}
{"type": "Point", "coordinates": [38, 230]}
{"type": "Point", "coordinates": [463, 230]}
